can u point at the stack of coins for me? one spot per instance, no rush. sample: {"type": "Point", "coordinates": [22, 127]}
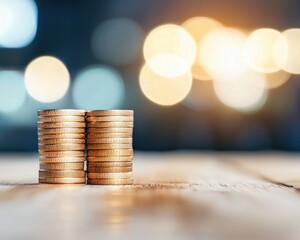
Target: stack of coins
{"type": "Point", "coordinates": [109, 147]}
{"type": "Point", "coordinates": [61, 137]}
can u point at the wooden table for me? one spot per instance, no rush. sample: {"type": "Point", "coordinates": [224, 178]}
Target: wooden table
{"type": "Point", "coordinates": [177, 195]}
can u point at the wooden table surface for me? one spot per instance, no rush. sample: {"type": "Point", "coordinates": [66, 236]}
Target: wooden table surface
{"type": "Point", "coordinates": [176, 195]}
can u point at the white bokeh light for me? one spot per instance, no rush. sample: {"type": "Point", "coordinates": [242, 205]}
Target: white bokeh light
{"type": "Point", "coordinates": [117, 41]}
{"type": "Point", "coordinates": [98, 87]}
{"type": "Point", "coordinates": [12, 90]}
{"type": "Point", "coordinates": [18, 23]}
{"type": "Point", "coordinates": [47, 79]}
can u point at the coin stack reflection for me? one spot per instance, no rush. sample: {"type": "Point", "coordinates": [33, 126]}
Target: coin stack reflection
{"type": "Point", "coordinates": [61, 137]}
{"type": "Point", "coordinates": [109, 147]}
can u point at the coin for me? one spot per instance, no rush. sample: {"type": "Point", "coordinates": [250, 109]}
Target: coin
{"type": "Point", "coordinates": [61, 119]}
{"type": "Point", "coordinates": [110, 119]}
{"type": "Point", "coordinates": [62, 180]}
{"type": "Point", "coordinates": [110, 152]}
{"type": "Point", "coordinates": [62, 159]}
{"type": "Point", "coordinates": [109, 130]}
{"type": "Point", "coordinates": [118, 175]}
{"type": "Point", "coordinates": [42, 131]}
{"type": "Point", "coordinates": [61, 125]}
{"type": "Point", "coordinates": [62, 174]}
{"type": "Point", "coordinates": [61, 154]}
{"type": "Point", "coordinates": [65, 136]}
{"type": "Point", "coordinates": [108, 146]}
{"type": "Point", "coordinates": [62, 166]}
{"type": "Point", "coordinates": [128, 181]}
{"type": "Point", "coordinates": [61, 112]}
{"type": "Point", "coordinates": [100, 113]}
{"type": "Point", "coordinates": [110, 124]}
{"type": "Point", "coordinates": [94, 136]}
{"type": "Point", "coordinates": [61, 140]}
{"type": "Point", "coordinates": [110, 140]}
{"type": "Point", "coordinates": [62, 147]}
{"type": "Point", "coordinates": [108, 164]}
{"type": "Point", "coordinates": [109, 169]}
{"type": "Point", "coordinates": [110, 158]}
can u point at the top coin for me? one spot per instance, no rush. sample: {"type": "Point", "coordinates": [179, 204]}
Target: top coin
{"type": "Point", "coordinates": [45, 119]}
{"type": "Point", "coordinates": [61, 112]}
{"type": "Point", "coordinates": [100, 113]}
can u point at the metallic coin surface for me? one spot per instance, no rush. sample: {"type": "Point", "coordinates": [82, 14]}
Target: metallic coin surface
{"type": "Point", "coordinates": [61, 119]}
{"type": "Point", "coordinates": [109, 146]}
{"type": "Point", "coordinates": [96, 165]}
{"type": "Point", "coordinates": [62, 173]}
{"type": "Point", "coordinates": [62, 180]}
{"type": "Point", "coordinates": [128, 181]}
{"type": "Point", "coordinates": [61, 154]}
{"type": "Point", "coordinates": [110, 158]}
{"type": "Point", "coordinates": [109, 140]}
{"type": "Point", "coordinates": [61, 147]}
{"type": "Point", "coordinates": [110, 119]}
{"type": "Point", "coordinates": [100, 113]}
{"type": "Point", "coordinates": [61, 125]}
{"type": "Point", "coordinates": [110, 152]}
{"type": "Point", "coordinates": [46, 131]}
{"type": "Point", "coordinates": [62, 166]}
{"type": "Point", "coordinates": [110, 124]}
{"type": "Point", "coordinates": [109, 130]}
{"type": "Point", "coordinates": [117, 175]}
{"type": "Point", "coordinates": [62, 141]}
{"type": "Point", "coordinates": [61, 136]}
{"type": "Point", "coordinates": [61, 112]}
{"type": "Point", "coordinates": [109, 170]}
{"type": "Point", "coordinates": [108, 135]}
{"type": "Point", "coordinates": [62, 159]}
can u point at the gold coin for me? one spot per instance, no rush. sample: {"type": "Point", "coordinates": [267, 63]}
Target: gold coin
{"type": "Point", "coordinates": [62, 180]}
{"type": "Point", "coordinates": [61, 112]}
{"type": "Point", "coordinates": [110, 158]}
{"type": "Point", "coordinates": [94, 136]}
{"type": "Point", "coordinates": [61, 119]}
{"type": "Point", "coordinates": [108, 164]}
{"type": "Point", "coordinates": [42, 131]}
{"type": "Point", "coordinates": [109, 169]}
{"type": "Point", "coordinates": [65, 136]}
{"type": "Point", "coordinates": [110, 140]}
{"type": "Point", "coordinates": [110, 124]}
{"type": "Point", "coordinates": [61, 125]}
{"type": "Point", "coordinates": [100, 113]}
{"type": "Point", "coordinates": [98, 146]}
{"type": "Point", "coordinates": [117, 175]}
{"type": "Point", "coordinates": [60, 154]}
{"type": "Point", "coordinates": [109, 130]}
{"type": "Point", "coordinates": [61, 147]}
{"type": "Point", "coordinates": [61, 140]}
{"type": "Point", "coordinates": [128, 181]}
{"type": "Point", "coordinates": [62, 166]}
{"type": "Point", "coordinates": [62, 159]}
{"type": "Point", "coordinates": [110, 152]}
{"type": "Point", "coordinates": [110, 119]}
{"type": "Point", "coordinates": [62, 174]}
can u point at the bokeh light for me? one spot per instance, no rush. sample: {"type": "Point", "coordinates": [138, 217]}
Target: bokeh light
{"type": "Point", "coordinates": [117, 41]}
{"type": "Point", "coordinates": [18, 23]}
{"type": "Point", "coordinates": [162, 90]}
{"type": "Point", "coordinates": [246, 94]}
{"type": "Point", "coordinates": [198, 27]}
{"type": "Point", "coordinates": [98, 87]}
{"type": "Point", "coordinates": [47, 79]}
{"type": "Point", "coordinates": [259, 50]}
{"type": "Point", "coordinates": [276, 79]}
{"type": "Point", "coordinates": [221, 54]}
{"type": "Point", "coordinates": [12, 90]}
{"type": "Point", "coordinates": [287, 50]}
{"type": "Point", "coordinates": [169, 50]}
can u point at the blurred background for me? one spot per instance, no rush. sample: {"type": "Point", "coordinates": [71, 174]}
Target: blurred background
{"type": "Point", "coordinates": [199, 74]}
